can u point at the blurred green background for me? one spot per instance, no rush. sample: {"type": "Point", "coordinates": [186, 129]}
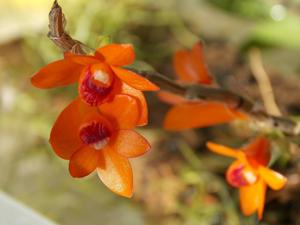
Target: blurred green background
{"type": "Point", "coordinates": [178, 182]}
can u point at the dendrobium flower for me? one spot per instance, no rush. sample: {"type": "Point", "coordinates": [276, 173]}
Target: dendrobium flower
{"type": "Point", "coordinates": [249, 173]}
{"type": "Point", "coordinates": [100, 76]}
{"type": "Point", "coordinates": [186, 114]}
{"type": "Point", "coordinates": [190, 67]}
{"type": "Point", "coordinates": [102, 139]}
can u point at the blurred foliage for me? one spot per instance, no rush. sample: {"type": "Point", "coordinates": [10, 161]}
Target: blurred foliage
{"type": "Point", "coordinates": [284, 33]}
{"type": "Point", "coordinates": [254, 9]}
{"type": "Point", "coordinates": [178, 182]}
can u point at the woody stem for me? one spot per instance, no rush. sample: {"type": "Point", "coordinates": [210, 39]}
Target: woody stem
{"type": "Point", "coordinates": [233, 100]}
{"type": "Point", "coordinates": [192, 92]}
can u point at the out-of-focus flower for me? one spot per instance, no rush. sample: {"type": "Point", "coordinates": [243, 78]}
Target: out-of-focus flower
{"type": "Point", "coordinates": [100, 138]}
{"type": "Point", "coordinates": [249, 173]}
{"type": "Point", "coordinates": [190, 68]}
{"type": "Point", "coordinates": [100, 76]}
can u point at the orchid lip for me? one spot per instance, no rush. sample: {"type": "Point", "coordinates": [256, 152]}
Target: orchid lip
{"type": "Point", "coordinates": [95, 134]}
{"type": "Point", "coordinates": [240, 176]}
{"type": "Point", "coordinates": [95, 87]}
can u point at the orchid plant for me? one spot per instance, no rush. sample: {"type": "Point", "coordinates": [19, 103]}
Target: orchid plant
{"type": "Point", "coordinates": [96, 131]}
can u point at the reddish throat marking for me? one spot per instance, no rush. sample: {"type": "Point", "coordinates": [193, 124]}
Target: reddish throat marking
{"type": "Point", "coordinates": [96, 134]}
{"type": "Point", "coordinates": [95, 86]}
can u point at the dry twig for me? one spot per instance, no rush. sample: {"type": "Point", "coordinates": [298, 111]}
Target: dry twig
{"type": "Point", "coordinates": [57, 34]}
{"type": "Point", "coordinates": [263, 81]}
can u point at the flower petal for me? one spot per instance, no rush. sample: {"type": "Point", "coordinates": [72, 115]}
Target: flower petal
{"type": "Point", "coordinates": [252, 198]}
{"type": "Point", "coordinates": [134, 80]}
{"type": "Point", "coordinates": [117, 54]}
{"type": "Point", "coordinates": [116, 173]}
{"type": "Point", "coordinates": [274, 180]}
{"type": "Point", "coordinates": [129, 143]}
{"type": "Point", "coordinates": [184, 67]}
{"type": "Point", "coordinates": [83, 162]}
{"type": "Point", "coordinates": [59, 73]}
{"type": "Point", "coordinates": [204, 76]}
{"type": "Point", "coordinates": [262, 196]}
{"type": "Point", "coordinates": [143, 120]}
{"type": "Point", "coordinates": [223, 150]}
{"type": "Point", "coordinates": [64, 136]}
{"type": "Point", "coordinates": [258, 151]}
{"type": "Point", "coordinates": [190, 65]}
{"type": "Point", "coordinates": [82, 59]}
{"type": "Point", "coordinates": [123, 111]}
{"type": "Point", "coordinates": [171, 98]}
{"type": "Point", "coordinates": [196, 115]}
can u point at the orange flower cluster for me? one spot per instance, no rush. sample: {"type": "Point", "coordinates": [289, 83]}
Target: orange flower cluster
{"type": "Point", "coordinates": [96, 131]}
{"type": "Point", "coordinates": [187, 114]}
{"type": "Point", "coordinates": [249, 171]}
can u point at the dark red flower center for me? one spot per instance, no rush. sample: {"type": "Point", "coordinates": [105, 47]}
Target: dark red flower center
{"type": "Point", "coordinates": [95, 85]}
{"type": "Point", "coordinates": [95, 133]}
{"type": "Point", "coordinates": [239, 176]}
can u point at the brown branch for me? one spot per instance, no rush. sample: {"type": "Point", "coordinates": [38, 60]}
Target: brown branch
{"type": "Point", "coordinates": [192, 92]}
{"type": "Point", "coordinates": [201, 92]}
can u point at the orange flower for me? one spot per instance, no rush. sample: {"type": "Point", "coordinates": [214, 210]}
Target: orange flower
{"type": "Point", "coordinates": [249, 173]}
{"type": "Point", "coordinates": [100, 76]}
{"type": "Point", "coordinates": [190, 67]}
{"type": "Point", "coordinates": [185, 114]}
{"type": "Point", "coordinates": [100, 139]}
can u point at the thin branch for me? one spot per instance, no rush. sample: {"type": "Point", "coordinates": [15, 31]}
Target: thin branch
{"type": "Point", "coordinates": [263, 81]}
{"type": "Point", "coordinates": [201, 92]}
{"type": "Point", "coordinates": [192, 92]}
